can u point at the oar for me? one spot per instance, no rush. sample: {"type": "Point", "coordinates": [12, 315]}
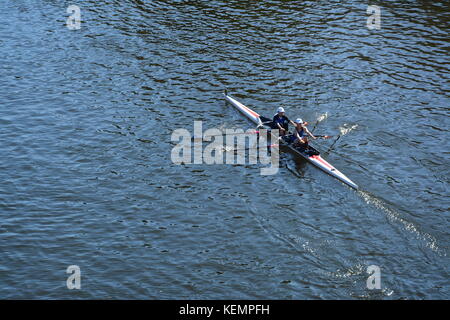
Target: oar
{"type": "Point", "coordinates": [225, 134]}
{"type": "Point", "coordinates": [265, 123]}
{"type": "Point", "coordinates": [329, 149]}
{"type": "Point", "coordinates": [322, 117]}
{"type": "Point", "coordinates": [315, 126]}
{"type": "Point", "coordinates": [251, 148]}
{"type": "Point", "coordinates": [321, 136]}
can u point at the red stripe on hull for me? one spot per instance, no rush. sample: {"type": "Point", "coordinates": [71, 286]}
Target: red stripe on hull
{"type": "Point", "coordinates": [318, 158]}
{"type": "Point", "coordinates": [253, 113]}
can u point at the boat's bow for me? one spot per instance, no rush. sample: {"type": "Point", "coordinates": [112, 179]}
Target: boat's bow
{"type": "Point", "coordinates": [327, 167]}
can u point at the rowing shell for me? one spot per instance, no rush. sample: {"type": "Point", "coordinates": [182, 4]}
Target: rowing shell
{"type": "Point", "coordinates": [311, 154]}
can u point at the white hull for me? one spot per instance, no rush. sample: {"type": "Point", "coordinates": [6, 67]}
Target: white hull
{"type": "Point", "coordinates": [316, 160]}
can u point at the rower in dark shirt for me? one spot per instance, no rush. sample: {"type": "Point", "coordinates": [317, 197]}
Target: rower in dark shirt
{"type": "Point", "coordinates": [281, 122]}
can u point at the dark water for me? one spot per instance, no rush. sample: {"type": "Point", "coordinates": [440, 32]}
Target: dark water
{"type": "Point", "coordinates": [86, 178]}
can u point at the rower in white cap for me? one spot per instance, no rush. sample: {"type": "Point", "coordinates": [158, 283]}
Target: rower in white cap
{"type": "Point", "coordinates": [300, 137]}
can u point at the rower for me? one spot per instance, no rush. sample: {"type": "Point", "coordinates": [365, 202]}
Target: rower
{"type": "Point", "coordinates": [300, 134]}
{"type": "Point", "coordinates": [281, 122]}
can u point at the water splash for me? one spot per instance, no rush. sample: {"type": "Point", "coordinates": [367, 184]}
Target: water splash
{"type": "Point", "coordinates": [347, 128]}
{"type": "Point", "coordinates": [322, 117]}
{"type": "Point", "coordinates": [358, 269]}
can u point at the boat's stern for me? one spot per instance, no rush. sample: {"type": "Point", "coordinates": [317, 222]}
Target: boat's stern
{"type": "Point", "coordinates": [246, 111]}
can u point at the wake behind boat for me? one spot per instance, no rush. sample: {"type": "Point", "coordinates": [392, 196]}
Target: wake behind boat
{"type": "Point", "coordinates": [310, 154]}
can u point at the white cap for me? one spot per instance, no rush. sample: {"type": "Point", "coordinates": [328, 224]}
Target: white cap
{"type": "Point", "coordinates": [298, 120]}
{"type": "Point", "coordinates": [280, 109]}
